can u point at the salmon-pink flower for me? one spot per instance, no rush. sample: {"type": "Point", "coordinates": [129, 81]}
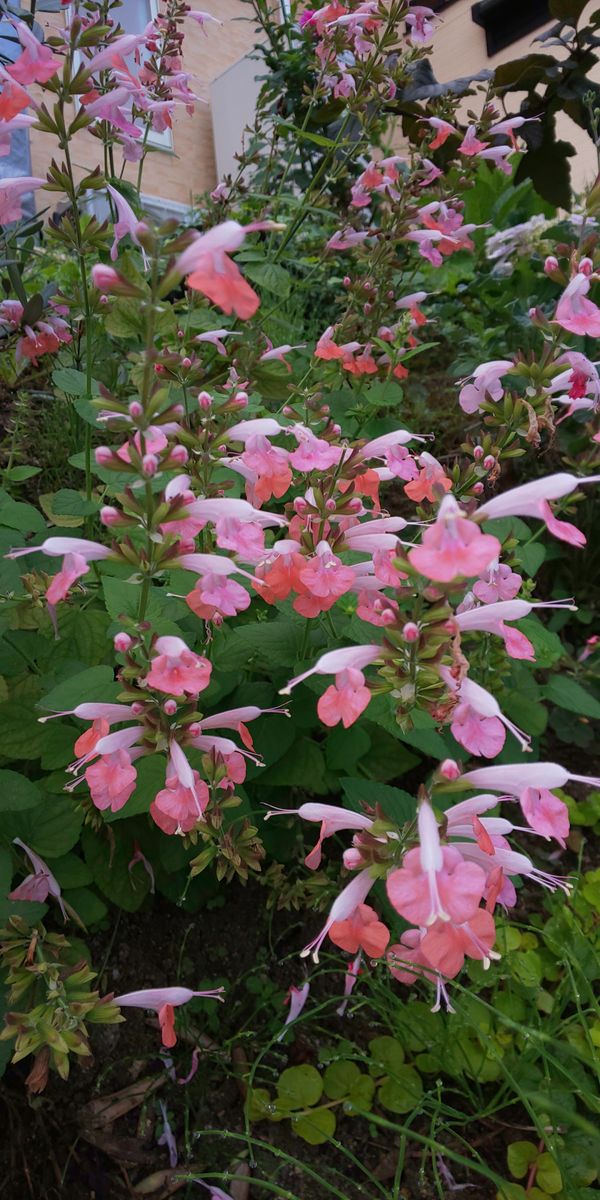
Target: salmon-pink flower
{"type": "Point", "coordinates": [176, 670]}
{"type": "Point", "coordinates": [115, 107]}
{"type": "Point", "coordinates": [37, 63]}
{"type": "Point", "coordinates": [361, 931]}
{"type": "Point", "coordinates": [11, 195]}
{"type": "Point", "coordinates": [443, 130]}
{"type": "Point", "coordinates": [270, 464]}
{"type": "Point", "coordinates": [446, 945]}
{"type": "Point", "coordinates": [332, 819]}
{"type": "Point", "coordinates": [499, 156]}
{"type": "Point", "coordinates": [532, 500]}
{"type": "Point", "coordinates": [546, 813]}
{"type": "Point", "coordinates": [343, 907]}
{"type": "Point", "coordinates": [162, 1001]}
{"type": "Point", "coordinates": [313, 453]}
{"type": "Point", "coordinates": [471, 144]}
{"type": "Point", "coordinates": [477, 721]}
{"type": "Point", "coordinates": [209, 269]}
{"type": "Point", "coordinates": [453, 546]}
{"type": "Point", "coordinates": [40, 884]}
{"type": "Point", "coordinates": [111, 780]}
{"type": "Point", "coordinates": [492, 618]}
{"type": "Point", "coordinates": [176, 808]}
{"type": "Point", "coordinates": [406, 960]}
{"type": "Point", "coordinates": [14, 98]}
{"type": "Point", "coordinates": [575, 312]}
{"type": "Point", "coordinates": [335, 661]}
{"type": "Point", "coordinates": [352, 973]}
{"type": "Point", "coordinates": [434, 882]}
{"type": "Point", "coordinates": [345, 700]}
{"type": "Point", "coordinates": [431, 481]}
{"type": "Point", "coordinates": [74, 566]}
{"type": "Point", "coordinates": [216, 596]}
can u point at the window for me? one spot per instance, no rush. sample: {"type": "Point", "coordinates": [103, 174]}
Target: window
{"type": "Point", "coordinates": [18, 160]}
{"type": "Point", "coordinates": [134, 15]}
{"type": "Point", "coordinates": [505, 21]}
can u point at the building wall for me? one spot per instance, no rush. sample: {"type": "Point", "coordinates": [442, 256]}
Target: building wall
{"type": "Point", "coordinates": [189, 167]}
{"type": "Point", "coordinates": [459, 48]}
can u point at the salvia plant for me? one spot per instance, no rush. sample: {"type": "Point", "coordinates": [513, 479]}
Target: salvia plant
{"type": "Point", "coordinates": [260, 543]}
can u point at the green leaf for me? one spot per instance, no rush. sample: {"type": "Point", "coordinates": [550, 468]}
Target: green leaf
{"type": "Point", "coordinates": [94, 684]}
{"type": "Point", "coordinates": [52, 828]}
{"type": "Point", "coordinates": [340, 1078]}
{"type": "Point", "coordinates": [547, 646]}
{"type": "Point", "coordinates": [73, 382]}
{"type": "Point", "coordinates": [568, 693]}
{"type": "Point", "coordinates": [299, 1087]}
{"type": "Point", "coordinates": [123, 599]}
{"type": "Point", "coordinates": [69, 503]}
{"type": "Point", "coordinates": [259, 1106]}
{"type": "Point", "coordinates": [269, 276]}
{"type": "Point", "coordinates": [399, 806]}
{"type": "Point", "coordinates": [303, 765]}
{"type": "Point", "coordinates": [316, 1127]}
{"type": "Point", "coordinates": [402, 1093]}
{"type": "Point", "coordinates": [17, 792]}
{"type": "Point", "coordinates": [109, 868]}
{"type": "Point", "coordinates": [519, 1157]}
{"type": "Point", "coordinates": [23, 517]}
{"type": "Point", "coordinates": [264, 644]}
{"type": "Point", "coordinates": [531, 557]}
{"type": "Point", "coordinates": [361, 1096]}
{"type": "Point", "coordinates": [548, 1175]}
{"type": "Point", "coordinates": [21, 737]}
{"type": "Point", "coordinates": [387, 1054]}
{"type": "Point", "coordinates": [20, 474]}
{"type": "Point", "coordinates": [71, 871]}
{"type": "Point", "coordinates": [88, 906]}
{"type": "Point", "coordinates": [344, 747]}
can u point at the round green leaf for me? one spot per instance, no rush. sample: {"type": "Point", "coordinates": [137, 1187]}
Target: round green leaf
{"type": "Point", "coordinates": [520, 1156]}
{"type": "Point", "coordinates": [387, 1055]}
{"type": "Point", "coordinates": [403, 1092]}
{"type": "Point", "coordinates": [299, 1087]}
{"type": "Point", "coordinates": [361, 1096]}
{"type": "Point", "coordinates": [52, 828]}
{"type": "Point", "coordinates": [548, 1175]}
{"type": "Point", "coordinates": [259, 1105]}
{"type": "Point", "coordinates": [316, 1127]}
{"type": "Point", "coordinates": [340, 1078]}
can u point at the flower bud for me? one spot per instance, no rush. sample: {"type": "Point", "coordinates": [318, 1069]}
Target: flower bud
{"type": "Point", "coordinates": [477, 488]}
{"type": "Point", "coordinates": [586, 267]}
{"type": "Point", "coordinates": [204, 400]}
{"type": "Point", "coordinates": [489, 462]}
{"type": "Point", "coordinates": [135, 410]}
{"type": "Point", "coordinates": [352, 858]}
{"type": "Point", "coordinates": [109, 515]}
{"type": "Point", "coordinates": [103, 455]}
{"type": "Point", "coordinates": [195, 729]}
{"type": "Point", "coordinates": [367, 308]}
{"type": "Point", "coordinates": [347, 282]}
{"type": "Point", "coordinates": [180, 333]}
{"type": "Point", "coordinates": [478, 453]}
{"type": "Point", "coordinates": [104, 278]}
{"type": "Point", "coordinates": [550, 265]}
{"type": "Point", "coordinates": [410, 632]}
{"type": "Point", "coordinates": [159, 369]}
{"type": "Point", "coordinates": [122, 642]}
{"type": "Point", "coordinates": [137, 708]}
{"type": "Point", "coordinates": [170, 707]}
{"type": "Point", "coordinates": [149, 465]}
{"type": "Point", "coordinates": [186, 363]}
{"type": "Point", "coordinates": [179, 455]}
{"type": "Point", "coordinates": [449, 769]}
{"type": "Point", "coordinates": [241, 399]}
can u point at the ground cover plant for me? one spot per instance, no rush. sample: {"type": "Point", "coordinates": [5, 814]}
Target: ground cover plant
{"type": "Point", "coordinates": [293, 521]}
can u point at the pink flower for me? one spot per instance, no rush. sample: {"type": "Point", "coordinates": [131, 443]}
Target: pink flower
{"type": "Point", "coordinates": [209, 269]}
{"type": "Point", "coordinates": [545, 813]}
{"type": "Point", "coordinates": [216, 596]}
{"type": "Point", "coordinates": [515, 777]}
{"type": "Point", "coordinates": [278, 353]}
{"type": "Point", "coordinates": [350, 978]}
{"type": "Point", "coordinates": [56, 547]}
{"type": "Point", "coordinates": [443, 130]}
{"type": "Point", "coordinates": [313, 453]}
{"type": "Point", "coordinates": [11, 194]}
{"type": "Point", "coordinates": [14, 98]}
{"type": "Point", "coordinates": [176, 808]}
{"type": "Point", "coordinates": [20, 121]}
{"type": "Point", "coordinates": [419, 21]}
{"type": "Point", "coordinates": [477, 721]}
{"type": "Point", "coordinates": [39, 885]}
{"type": "Point", "coordinates": [344, 701]}
{"type": "Point", "coordinates": [499, 156]}
{"type": "Point", "coordinates": [470, 144]}
{"type": "Point", "coordinates": [532, 500]}
{"type": "Point", "coordinates": [407, 954]}
{"type": "Point", "coordinates": [335, 661]}
{"type": "Point", "coordinates": [115, 107]}
{"type": "Point", "coordinates": [176, 670]}
{"type": "Point", "coordinates": [126, 223]}
{"type": "Point", "coordinates": [431, 481]}
{"type": "Point", "coordinates": [434, 882]}
{"type": "Point", "coordinates": [342, 908]}
{"type": "Point", "coordinates": [270, 465]}
{"type": "Point", "coordinates": [499, 582]}
{"type": "Point", "coordinates": [576, 313]}
{"type": "Point", "coordinates": [37, 63]}
{"type": "Point", "coordinates": [332, 819]}
{"type": "Point", "coordinates": [492, 618]}
{"type": "Point", "coordinates": [296, 998]}
{"type": "Point", "coordinates": [74, 566]}
{"type": "Point", "coordinates": [111, 780]}
{"type": "Point", "coordinates": [361, 931]}
{"type": "Point", "coordinates": [451, 547]}
{"type": "Point", "coordinates": [202, 18]}
{"type": "Point", "coordinates": [446, 944]}
{"type": "Point", "coordinates": [486, 384]}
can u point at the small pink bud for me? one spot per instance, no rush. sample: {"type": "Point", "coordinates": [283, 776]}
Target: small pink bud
{"type": "Point", "coordinates": [550, 265]}
{"type": "Point", "coordinates": [180, 333]}
{"type": "Point", "coordinates": [104, 278]}
{"type": "Point", "coordinates": [122, 642]}
{"type": "Point", "coordinates": [109, 515]}
{"type": "Point", "coordinates": [489, 462]}
{"type": "Point", "coordinates": [355, 505]}
{"type": "Point", "coordinates": [347, 282]}
{"type": "Point", "coordinates": [478, 453]}
{"type": "Point", "coordinates": [336, 430]}
{"type": "Point", "coordinates": [477, 488]}
{"type": "Point", "coordinates": [287, 411]}
{"type": "Point", "coordinates": [330, 505]}
{"type": "Point", "coordinates": [367, 308]}
{"type": "Point", "coordinates": [352, 858]}
{"type": "Point", "coordinates": [586, 267]}
{"type": "Point", "coordinates": [449, 769]}
{"type": "Point", "coordinates": [390, 295]}
{"type": "Point", "coordinates": [194, 729]}
{"type": "Point", "coordinates": [368, 287]}
{"type": "Point", "coordinates": [178, 410]}
{"type": "Point", "coordinates": [137, 708]}
{"type": "Point", "coordinates": [204, 400]}
{"type": "Point", "coordinates": [104, 300]}
{"type": "Point", "coordinates": [186, 362]}
{"type": "Point", "coordinates": [300, 506]}
{"type": "Point", "coordinates": [385, 333]}
{"type": "Point", "coordinates": [159, 369]}
{"type": "Point", "coordinates": [410, 632]}
{"type": "Point", "coordinates": [241, 397]}
{"type": "Point", "coordinates": [103, 455]}
{"type": "Point", "coordinates": [325, 410]}
{"type": "Point", "coordinates": [170, 707]}
{"type": "Point", "coordinates": [135, 410]}
{"type": "Point", "coordinates": [149, 465]}
{"type": "Point", "coordinates": [179, 455]}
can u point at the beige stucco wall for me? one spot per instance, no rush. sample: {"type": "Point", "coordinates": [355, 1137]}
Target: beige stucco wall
{"type": "Point", "coordinates": [189, 167]}
{"type": "Point", "coordinates": [459, 49]}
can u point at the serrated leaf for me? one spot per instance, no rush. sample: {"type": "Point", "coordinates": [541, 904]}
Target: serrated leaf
{"type": "Point", "coordinates": [21, 737]}
{"type": "Point", "coordinates": [94, 684]}
{"type": "Point", "coordinates": [270, 276]}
